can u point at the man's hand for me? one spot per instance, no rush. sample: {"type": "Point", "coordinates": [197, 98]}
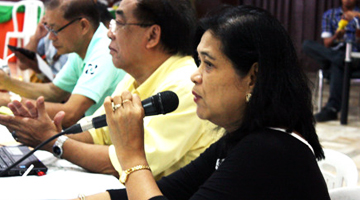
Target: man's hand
{"type": "Point", "coordinates": [339, 34]}
{"type": "Point", "coordinates": [40, 29]}
{"type": "Point", "coordinates": [24, 63]}
{"type": "Point", "coordinates": [349, 15]}
{"type": "Point", "coordinates": [32, 124]}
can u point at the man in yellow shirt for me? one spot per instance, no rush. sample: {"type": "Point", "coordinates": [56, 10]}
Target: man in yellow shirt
{"type": "Point", "coordinates": [152, 42]}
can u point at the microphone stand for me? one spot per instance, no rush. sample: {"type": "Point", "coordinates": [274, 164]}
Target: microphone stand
{"type": "Point", "coordinates": [31, 152]}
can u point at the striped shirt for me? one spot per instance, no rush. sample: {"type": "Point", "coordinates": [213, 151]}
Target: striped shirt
{"type": "Point", "coordinates": [330, 23]}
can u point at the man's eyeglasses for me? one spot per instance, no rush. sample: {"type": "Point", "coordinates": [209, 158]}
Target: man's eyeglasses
{"type": "Point", "coordinates": [62, 28]}
{"type": "Point", "coordinates": [113, 24]}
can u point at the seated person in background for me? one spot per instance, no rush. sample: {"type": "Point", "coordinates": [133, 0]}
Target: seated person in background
{"type": "Point", "coordinates": [338, 25]}
{"type": "Point", "coordinates": [144, 44]}
{"type": "Point", "coordinates": [270, 147]}
{"type": "Point", "coordinates": [87, 77]}
{"type": "Point", "coordinates": [41, 44]}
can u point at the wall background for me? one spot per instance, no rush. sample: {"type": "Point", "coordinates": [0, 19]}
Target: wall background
{"type": "Point", "coordinates": [301, 18]}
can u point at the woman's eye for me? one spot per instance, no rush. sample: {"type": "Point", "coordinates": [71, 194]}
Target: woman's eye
{"type": "Point", "coordinates": [208, 65]}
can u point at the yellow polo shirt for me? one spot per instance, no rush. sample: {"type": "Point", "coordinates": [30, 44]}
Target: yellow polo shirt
{"type": "Point", "coordinates": [174, 139]}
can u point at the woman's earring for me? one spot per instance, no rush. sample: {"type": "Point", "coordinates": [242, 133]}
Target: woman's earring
{"type": "Point", "coordinates": [248, 96]}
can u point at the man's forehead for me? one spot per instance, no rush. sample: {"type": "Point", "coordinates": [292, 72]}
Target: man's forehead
{"type": "Point", "coordinates": [126, 8]}
{"type": "Point", "coordinates": [54, 17]}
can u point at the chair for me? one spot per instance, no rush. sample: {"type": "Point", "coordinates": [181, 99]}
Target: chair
{"type": "Point", "coordinates": [31, 16]}
{"type": "Point", "coordinates": [345, 193]}
{"type": "Point", "coordinates": [348, 74]}
{"type": "Point", "coordinates": [338, 170]}
{"type": "Point", "coordinates": [324, 72]}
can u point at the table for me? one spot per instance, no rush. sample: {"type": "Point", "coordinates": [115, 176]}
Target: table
{"type": "Point", "coordinates": [63, 180]}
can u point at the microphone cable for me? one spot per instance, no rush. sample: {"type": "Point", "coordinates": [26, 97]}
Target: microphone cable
{"type": "Point", "coordinates": [31, 152]}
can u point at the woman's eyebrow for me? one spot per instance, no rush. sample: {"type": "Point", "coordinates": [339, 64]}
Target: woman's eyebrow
{"type": "Point", "coordinates": [204, 53]}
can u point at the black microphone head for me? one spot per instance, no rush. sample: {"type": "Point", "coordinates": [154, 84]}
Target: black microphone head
{"type": "Point", "coordinates": [169, 101]}
{"type": "Point", "coordinates": [161, 103]}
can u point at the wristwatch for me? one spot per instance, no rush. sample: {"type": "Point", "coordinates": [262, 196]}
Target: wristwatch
{"type": "Point", "coordinates": [57, 148]}
{"type": "Point", "coordinates": [125, 174]}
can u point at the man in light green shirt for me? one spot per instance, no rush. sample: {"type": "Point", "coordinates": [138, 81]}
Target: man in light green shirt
{"type": "Point", "coordinates": [87, 77]}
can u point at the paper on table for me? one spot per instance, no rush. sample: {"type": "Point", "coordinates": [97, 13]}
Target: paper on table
{"type": "Point", "coordinates": [5, 111]}
{"type": "Point", "coordinates": [44, 68]}
{"type": "Point", "coordinates": [59, 185]}
{"type": "Point", "coordinates": [6, 137]}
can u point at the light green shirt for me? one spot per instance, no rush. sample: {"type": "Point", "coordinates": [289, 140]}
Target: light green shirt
{"type": "Point", "coordinates": [95, 77]}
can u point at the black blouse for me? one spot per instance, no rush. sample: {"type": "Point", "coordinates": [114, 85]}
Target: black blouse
{"type": "Point", "coordinates": [268, 164]}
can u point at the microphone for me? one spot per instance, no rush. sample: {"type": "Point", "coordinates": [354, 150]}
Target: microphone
{"type": "Point", "coordinates": [161, 103]}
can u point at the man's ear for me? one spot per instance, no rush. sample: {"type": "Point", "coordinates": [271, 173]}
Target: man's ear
{"type": "Point", "coordinates": [153, 36]}
{"type": "Point", "coordinates": [85, 25]}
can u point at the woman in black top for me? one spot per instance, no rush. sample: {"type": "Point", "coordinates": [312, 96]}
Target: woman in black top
{"type": "Point", "coordinates": [249, 83]}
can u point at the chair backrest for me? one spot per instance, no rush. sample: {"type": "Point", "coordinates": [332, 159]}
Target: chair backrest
{"type": "Point", "coordinates": [31, 16]}
{"type": "Point", "coordinates": [345, 193]}
{"type": "Point", "coordinates": [338, 169]}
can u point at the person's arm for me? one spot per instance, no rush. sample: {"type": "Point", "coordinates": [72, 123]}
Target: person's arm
{"type": "Point", "coordinates": [39, 33]}
{"type": "Point", "coordinates": [329, 30]}
{"type": "Point", "coordinates": [183, 183]}
{"type": "Point", "coordinates": [350, 15]}
{"type": "Point", "coordinates": [22, 61]}
{"type": "Point", "coordinates": [74, 107]}
{"type": "Point", "coordinates": [167, 150]}
{"type": "Point", "coordinates": [94, 158]}
{"type": "Point", "coordinates": [328, 42]}
{"type": "Point", "coordinates": [127, 134]}
{"type": "Point", "coordinates": [32, 90]}
{"type": "Point", "coordinates": [33, 126]}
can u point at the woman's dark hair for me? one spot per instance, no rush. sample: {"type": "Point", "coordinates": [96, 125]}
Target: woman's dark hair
{"type": "Point", "coordinates": [176, 19]}
{"type": "Point", "coordinates": [77, 8]}
{"type": "Point", "coordinates": [281, 96]}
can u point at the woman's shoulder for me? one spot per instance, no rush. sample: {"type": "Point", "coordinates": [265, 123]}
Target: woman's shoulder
{"type": "Point", "coordinates": [276, 142]}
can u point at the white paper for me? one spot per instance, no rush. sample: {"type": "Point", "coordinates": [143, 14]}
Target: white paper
{"type": "Point", "coordinates": [44, 68]}
{"type": "Point", "coordinates": [5, 136]}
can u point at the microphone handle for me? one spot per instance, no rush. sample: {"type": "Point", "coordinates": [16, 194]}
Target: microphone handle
{"type": "Point", "coordinates": [151, 105]}
{"type": "Point", "coordinates": [99, 121]}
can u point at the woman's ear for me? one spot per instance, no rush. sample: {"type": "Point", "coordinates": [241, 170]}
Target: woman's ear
{"type": "Point", "coordinates": [253, 74]}
{"type": "Point", "coordinates": [153, 36]}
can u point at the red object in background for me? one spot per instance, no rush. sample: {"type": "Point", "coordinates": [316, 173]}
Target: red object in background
{"type": "Point", "coordinates": [8, 26]}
